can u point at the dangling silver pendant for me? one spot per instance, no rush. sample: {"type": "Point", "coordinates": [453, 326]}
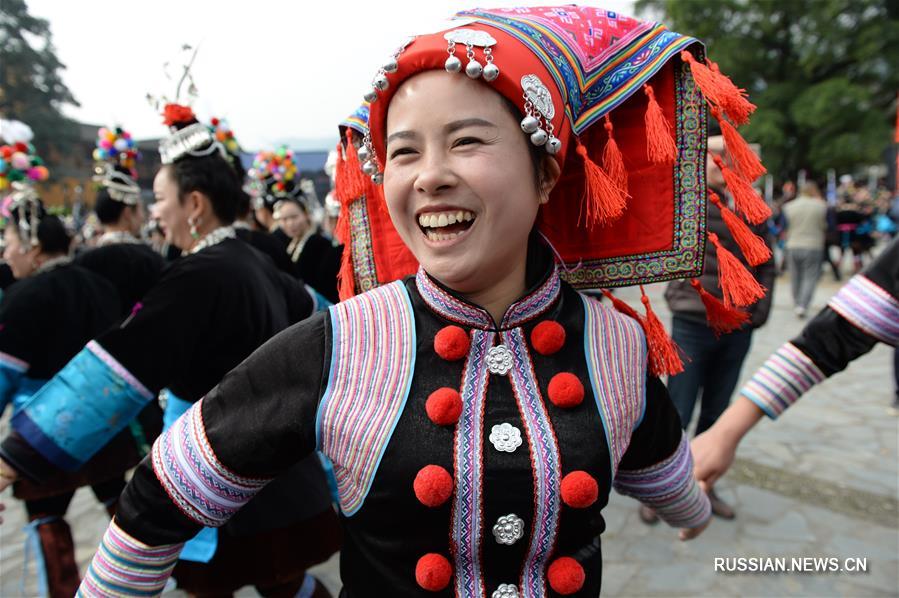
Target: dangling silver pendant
{"type": "Point", "coordinates": [452, 64]}
{"type": "Point", "coordinates": [474, 69]}
{"type": "Point", "coordinates": [381, 82]}
{"type": "Point", "coordinates": [391, 66]}
{"type": "Point", "coordinates": [377, 178]}
{"type": "Point", "coordinates": [370, 168]}
{"type": "Point", "coordinates": [371, 96]}
{"type": "Point", "coordinates": [491, 72]}
{"type": "Point", "coordinates": [553, 145]}
{"type": "Point", "coordinates": [363, 154]}
{"type": "Point", "coordinates": [539, 137]}
{"type": "Point", "coordinates": [529, 124]}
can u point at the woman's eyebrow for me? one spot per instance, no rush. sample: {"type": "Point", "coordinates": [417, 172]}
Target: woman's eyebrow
{"type": "Point", "coordinates": [401, 135]}
{"type": "Point", "coordinates": [467, 122]}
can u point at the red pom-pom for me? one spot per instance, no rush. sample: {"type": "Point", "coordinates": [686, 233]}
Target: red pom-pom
{"type": "Point", "coordinates": [176, 114]}
{"type": "Point", "coordinates": [548, 337]}
{"type": "Point", "coordinates": [452, 343]}
{"type": "Point", "coordinates": [433, 572]}
{"type": "Point", "coordinates": [566, 576]}
{"type": "Point", "coordinates": [215, 121]}
{"type": "Point", "coordinates": [565, 390]}
{"type": "Point", "coordinates": [21, 146]}
{"type": "Point", "coordinates": [579, 490]}
{"type": "Point", "coordinates": [444, 406]}
{"type": "Point", "coordinates": [6, 152]}
{"type": "Point", "coordinates": [433, 485]}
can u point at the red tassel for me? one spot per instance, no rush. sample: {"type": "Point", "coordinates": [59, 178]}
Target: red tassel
{"type": "Point", "coordinates": [660, 145]}
{"type": "Point", "coordinates": [738, 286]}
{"type": "Point", "coordinates": [664, 354]}
{"type": "Point", "coordinates": [746, 161]}
{"type": "Point", "coordinates": [747, 201]}
{"type": "Point", "coordinates": [735, 102]}
{"type": "Point", "coordinates": [722, 318]}
{"type": "Point", "coordinates": [355, 176]}
{"type": "Point", "coordinates": [612, 160]}
{"type": "Point", "coordinates": [605, 201]}
{"type": "Point", "coordinates": [753, 247]}
{"type": "Point", "coordinates": [705, 79]}
{"type": "Point", "coordinates": [621, 306]}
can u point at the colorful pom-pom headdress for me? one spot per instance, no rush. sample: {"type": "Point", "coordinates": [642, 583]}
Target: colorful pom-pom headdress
{"type": "Point", "coordinates": [622, 105]}
{"type": "Point", "coordinates": [275, 177]}
{"type": "Point", "coordinates": [20, 169]}
{"type": "Point", "coordinates": [115, 168]}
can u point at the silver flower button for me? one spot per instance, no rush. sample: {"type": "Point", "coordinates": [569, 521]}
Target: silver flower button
{"type": "Point", "coordinates": [509, 529]}
{"type": "Point", "coordinates": [505, 590]}
{"type": "Point", "coordinates": [505, 437]}
{"type": "Point", "coordinates": [499, 360]}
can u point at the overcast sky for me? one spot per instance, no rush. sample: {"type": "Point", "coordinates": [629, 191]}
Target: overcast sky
{"type": "Point", "coordinates": [275, 69]}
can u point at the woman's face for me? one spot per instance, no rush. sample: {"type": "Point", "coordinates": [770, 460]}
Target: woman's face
{"type": "Point", "coordinates": [292, 219]}
{"type": "Point", "coordinates": [459, 180]}
{"type": "Point", "coordinates": [170, 212]}
{"type": "Point", "coordinates": [20, 258]}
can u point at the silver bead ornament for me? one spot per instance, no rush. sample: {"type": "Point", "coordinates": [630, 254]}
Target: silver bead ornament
{"type": "Point", "coordinates": [381, 82]}
{"type": "Point", "coordinates": [505, 437]}
{"type": "Point", "coordinates": [499, 360]}
{"type": "Point", "coordinates": [391, 66]}
{"type": "Point", "coordinates": [509, 529]}
{"type": "Point", "coordinates": [529, 124]}
{"type": "Point", "coordinates": [491, 72]}
{"type": "Point", "coordinates": [553, 145]}
{"type": "Point", "coordinates": [539, 137]}
{"type": "Point", "coordinates": [370, 168]}
{"type": "Point", "coordinates": [453, 64]}
{"type": "Point", "coordinates": [363, 154]}
{"type": "Point", "coordinates": [474, 69]}
{"type": "Point", "coordinates": [370, 96]}
{"type": "Point", "coordinates": [377, 178]}
{"type": "Point", "coordinates": [505, 590]}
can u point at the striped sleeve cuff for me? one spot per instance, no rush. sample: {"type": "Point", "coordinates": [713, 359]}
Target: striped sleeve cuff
{"type": "Point", "coordinates": [781, 380]}
{"type": "Point", "coordinates": [669, 488]}
{"type": "Point", "coordinates": [869, 308]}
{"type": "Point", "coordinates": [125, 566]}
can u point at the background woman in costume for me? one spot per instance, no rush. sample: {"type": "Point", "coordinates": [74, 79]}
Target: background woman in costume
{"type": "Point", "coordinates": [483, 394]}
{"type": "Point", "coordinates": [206, 314]}
{"type": "Point", "coordinates": [864, 311]}
{"type": "Point", "coordinates": [45, 319]}
{"type": "Point", "coordinates": [316, 259]}
{"type": "Point", "coordinates": [120, 255]}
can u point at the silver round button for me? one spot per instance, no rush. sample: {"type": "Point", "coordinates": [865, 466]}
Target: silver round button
{"type": "Point", "coordinates": [509, 529]}
{"type": "Point", "coordinates": [499, 360]}
{"type": "Point", "coordinates": [505, 437]}
{"type": "Point", "coordinates": [505, 590]}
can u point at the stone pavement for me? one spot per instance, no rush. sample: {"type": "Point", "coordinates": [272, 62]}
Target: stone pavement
{"type": "Point", "coordinates": [822, 481]}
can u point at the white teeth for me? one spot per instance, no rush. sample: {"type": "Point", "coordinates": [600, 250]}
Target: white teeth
{"type": "Point", "coordinates": [441, 219]}
{"type": "Point", "coordinates": [441, 236]}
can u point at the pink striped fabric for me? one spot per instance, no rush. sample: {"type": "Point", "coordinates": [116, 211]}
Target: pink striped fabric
{"type": "Point", "coordinates": [669, 488]}
{"type": "Point", "coordinates": [781, 380]}
{"type": "Point", "coordinates": [125, 566]}
{"type": "Point", "coordinates": [615, 348]}
{"type": "Point", "coordinates": [372, 360]}
{"type": "Point", "coordinates": [869, 308]}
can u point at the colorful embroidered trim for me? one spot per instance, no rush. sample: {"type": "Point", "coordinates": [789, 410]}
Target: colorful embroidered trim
{"type": "Point", "coordinates": [781, 380]}
{"type": "Point", "coordinates": [545, 463]}
{"type": "Point", "coordinates": [363, 254]}
{"type": "Point", "coordinates": [125, 566]}
{"type": "Point", "coordinates": [869, 308]}
{"type": "Point", "coordinates": [65, 421]}
{"type": "Point", "coordinates": [669, 488]}
{"type": "Point", "coordinates": [372, 360]}
{"type": "Point", "coordinates": [615, 348]}
{"type": "Point", "coordinates": [685, 258]}
{"type": "Point", "coordinates": [467, 525]}
{"type": "Point", "coordinates": [459, 311]}
{"type": "Point", "coordinates": [186, 466]}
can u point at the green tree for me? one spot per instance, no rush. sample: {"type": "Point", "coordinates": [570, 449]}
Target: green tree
{"type": "Point", "coordinates": [31, 88]}
{"type": "Point", "coordinates": [824, 73]}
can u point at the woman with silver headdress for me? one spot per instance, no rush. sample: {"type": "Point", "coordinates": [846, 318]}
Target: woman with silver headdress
{"type": "Point", "coordinates": [45, 318]}
{"type": "Point", "coordinates": [209, 311]}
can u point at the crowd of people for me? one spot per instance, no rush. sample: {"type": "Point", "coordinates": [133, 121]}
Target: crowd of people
{"type": "Point", "coordinates": [434, 379]}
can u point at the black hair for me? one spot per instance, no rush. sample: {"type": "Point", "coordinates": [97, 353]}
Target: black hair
{"type": "Point", "coordinates": [211, 175]}
{"type": "Point", "coordinates": [243, 204]}
{"type": "Point", "coordinates": [51, 232]}
{"type": "Point", "coordinates": [108, 210]}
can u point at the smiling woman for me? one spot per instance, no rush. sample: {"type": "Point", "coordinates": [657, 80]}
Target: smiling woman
{"type": "Point", "coordinates": [478, 413]}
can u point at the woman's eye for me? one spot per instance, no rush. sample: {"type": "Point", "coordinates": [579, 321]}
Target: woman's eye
{"type": "Point", "coordinates": [401, 151]}
{"type": "Point", "coordinates": [466, 141]}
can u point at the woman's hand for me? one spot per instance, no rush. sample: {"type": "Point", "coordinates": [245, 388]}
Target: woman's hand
{"type": "Point", "coordinates": [688, 533]}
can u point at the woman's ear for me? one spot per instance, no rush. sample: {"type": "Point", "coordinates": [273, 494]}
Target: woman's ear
{"type": "Point", "coordinates": [197, 205]}
{"type": "Point", "coordinates": [550, 171]}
